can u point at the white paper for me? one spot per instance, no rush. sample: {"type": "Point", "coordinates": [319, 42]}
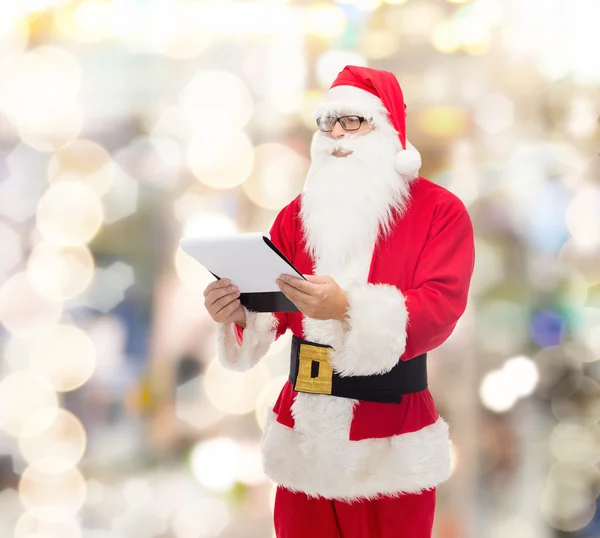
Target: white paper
{"type": "Point", "coordinates": [245, 259]}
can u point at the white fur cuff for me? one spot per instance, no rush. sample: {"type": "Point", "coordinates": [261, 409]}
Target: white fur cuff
{"type": "Point", "coordinates": [259, 334]}
{"type": "Point", "coordinates": [376, 338]}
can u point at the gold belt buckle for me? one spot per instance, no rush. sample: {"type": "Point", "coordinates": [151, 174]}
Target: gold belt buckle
{"type": "Point", "coordinates": [314, 371]}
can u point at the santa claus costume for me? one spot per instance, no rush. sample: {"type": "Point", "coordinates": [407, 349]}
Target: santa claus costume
{"type": "Point", "coordinates": [354, 441]}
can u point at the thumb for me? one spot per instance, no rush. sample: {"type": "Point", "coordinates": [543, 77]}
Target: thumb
{"type": "Point", "coordinates": [317, 279]}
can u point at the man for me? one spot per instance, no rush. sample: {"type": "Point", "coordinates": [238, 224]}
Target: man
{"type": "Point", "coordinates": [354, 441]}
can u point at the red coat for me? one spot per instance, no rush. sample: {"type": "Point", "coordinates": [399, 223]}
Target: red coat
{"type": "Point", "coordinates": [417, 290]}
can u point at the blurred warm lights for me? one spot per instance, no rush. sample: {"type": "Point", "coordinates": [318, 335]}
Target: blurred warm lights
{"type": "Point", "coordinates": [29, 7]}
{"type": "Point", "coordinates": [582, 118]}
{"type": "Point", "coordinates": [23, 310]}
{"type": "Point", "coordinates": [232, 18]}
{"type": "Point", "coordinates": [69, 213]}
{"type": "Point", "coordinates": [84, 160]}
{"type": "Point", "coordinates": [216, 99]}
{"type": "Point", "coordinates": [523, 373]}
{"type": "Point", "coordinates": [88, 21]}
{"type": "Point", "coordinates": [155, 159]}
{"type": "Point", "coordinates": [193, 407]}
{"type": "Point", "coordinates": [503, 326]}
{"type": "Point", "coordinates": [51, 68]}
{"type": "Point", "coordinates": [496, 392]}
{"type": "Point", "coordinates": [363, 5]}
{"type": "Point", "coordinates": [52, 496]}
{"type": "Point", "coordinates": [444, 38]}
{"type": "Point", "coordinates": [267, 398]}
{"type": "Point", "coordinates": [278, 176]}
{"type": "Point", "coordinates": [501, 389]}
{"type": "Point", "coordinates": [209, 224]}
{"type": "Point", "coordinates": [221, 158]}
{"type": "Point", "coordinates": [220, 462]}
{"type": "Point", "coordinates": [12, 252]}
{"type": "Point", "coordinates": [109, 286]}
{"type": "Point", "coordinates": [330, 63]}
{"type": "Point", "coordinates": [441, 121]}
{"type": "Point", "coordinates": [588, 328]}
{"type": "Point", "coordinates": [22, 396]}
{"type": "Point", "coordinates": [59, 441]}
{"type": "Point", "coordinates": [311, 101]}
{"type": "Point", "coordinates": [216, 104]}
{"type": "Point", "coordinates": [65, 357]}
{"type": "Point", "coordinates": [200, 517]}
{"type": "Point", "coordinates": [60, 273]}
{"type": "Point", "coordinates": [454, 458]}
{"type": "Point", "coordinates": [583, 218]}
{"type": "Point", "coordinates": [232, 392]}
{"type": "Point", "coordinates": [326, 20]}
{"type": "Point", "coordinates": [214, 463]}
{"type": "Point", "coordinates": [16, 354]}
{"type": "Point", "coordinates": [494, 113]}
{"type": "Point", "coordinates": [576, 442]}
{"type": "Point", "coordinates": [121, 201]}
{"type": "Point", "coordinates": [567, 502]}
{"type": "Point", "coordinates": [14, 34]}
{"type": "Point", "coordinates": [189, 205]}
{"type": "Point", "coordinates": [379, 44]}
{"type": "Point", "coordinates": [18, 198]}
{"type": "Point", "coordinates": [50, 119]}
{"type": "Point", "coordinates": [172, 29]}
{"type": "Point", "coordinates": [29, 526]}
{"type": "Point", "coordinates": [51, 128]}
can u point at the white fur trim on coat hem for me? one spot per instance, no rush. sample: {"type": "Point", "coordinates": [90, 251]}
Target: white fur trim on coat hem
{"type": "Point", "coordinates": [351, 470]}
{"type": "Point", "coordinates": [259, 334]}
{"type": "Point", "coordinates": [376, 338]}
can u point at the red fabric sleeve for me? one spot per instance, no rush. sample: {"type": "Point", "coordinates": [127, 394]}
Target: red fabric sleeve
{"type": "Point", "coordinates": [442, 278]}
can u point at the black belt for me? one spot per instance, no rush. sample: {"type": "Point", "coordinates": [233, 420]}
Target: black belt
{"type": "Point", "coordinates": [310, 371]}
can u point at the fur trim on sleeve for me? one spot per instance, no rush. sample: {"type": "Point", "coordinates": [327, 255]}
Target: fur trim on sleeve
{"type": "Point", "coordinates": [259, 334]}
{"type": "Point", "coordinates": [375, 336]}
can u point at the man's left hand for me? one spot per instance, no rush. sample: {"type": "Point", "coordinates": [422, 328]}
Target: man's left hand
{"type": "Point", "coordinates": [318, 297]}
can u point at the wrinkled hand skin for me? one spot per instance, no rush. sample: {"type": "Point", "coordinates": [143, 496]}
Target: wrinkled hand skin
{"type": "Point", "coordinates": [317, 297]}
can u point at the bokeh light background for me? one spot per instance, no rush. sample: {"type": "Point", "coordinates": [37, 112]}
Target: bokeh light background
{"type": "Point", "coordinates": [125, 124]}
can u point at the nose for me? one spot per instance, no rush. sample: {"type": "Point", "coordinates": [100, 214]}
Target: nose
{"type": "Point", "coordinates": [338, 131]}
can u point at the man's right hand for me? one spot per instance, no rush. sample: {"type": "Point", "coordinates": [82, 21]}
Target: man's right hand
{"type": "Point", "coordinates": [221, 299]}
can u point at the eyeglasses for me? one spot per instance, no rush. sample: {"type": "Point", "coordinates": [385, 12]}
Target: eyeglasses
{"type": "Point", "coordinates": [348, 123]}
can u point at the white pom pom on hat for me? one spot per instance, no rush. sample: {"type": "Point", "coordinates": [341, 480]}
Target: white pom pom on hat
{"type": "Point", "coordinates": [407, 162]}
{"type": "Point", "coordinates": [373, 92]}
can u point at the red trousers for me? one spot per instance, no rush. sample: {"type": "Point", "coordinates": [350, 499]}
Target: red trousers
{"type": "Point", "coordinates": [405, 516]}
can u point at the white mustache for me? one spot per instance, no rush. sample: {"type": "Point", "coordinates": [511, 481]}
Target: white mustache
{"type": "Point", "coordinates": [346, 145]}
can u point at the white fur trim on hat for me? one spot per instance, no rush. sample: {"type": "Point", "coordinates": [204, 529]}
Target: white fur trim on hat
{"type": "Point", "coordinates": [352, 100]}
{"type": "Point", "coordinates": [349, 100]}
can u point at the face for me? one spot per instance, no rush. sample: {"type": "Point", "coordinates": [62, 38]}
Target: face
{"type": "Point", "coordinates": [349, 190]}
{"type": "Point", "coordinates": [339, 132]}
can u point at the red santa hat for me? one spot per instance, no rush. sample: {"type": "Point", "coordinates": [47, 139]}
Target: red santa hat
{"type": "Point", "coordinates": [376, 95]}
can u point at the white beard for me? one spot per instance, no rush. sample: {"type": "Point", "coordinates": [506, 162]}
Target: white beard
{"type": "Point", "coordinates": [348, 201]}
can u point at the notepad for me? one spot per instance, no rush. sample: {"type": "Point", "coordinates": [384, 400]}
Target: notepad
{"type": "Point", "coordinates": [250, 261]}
